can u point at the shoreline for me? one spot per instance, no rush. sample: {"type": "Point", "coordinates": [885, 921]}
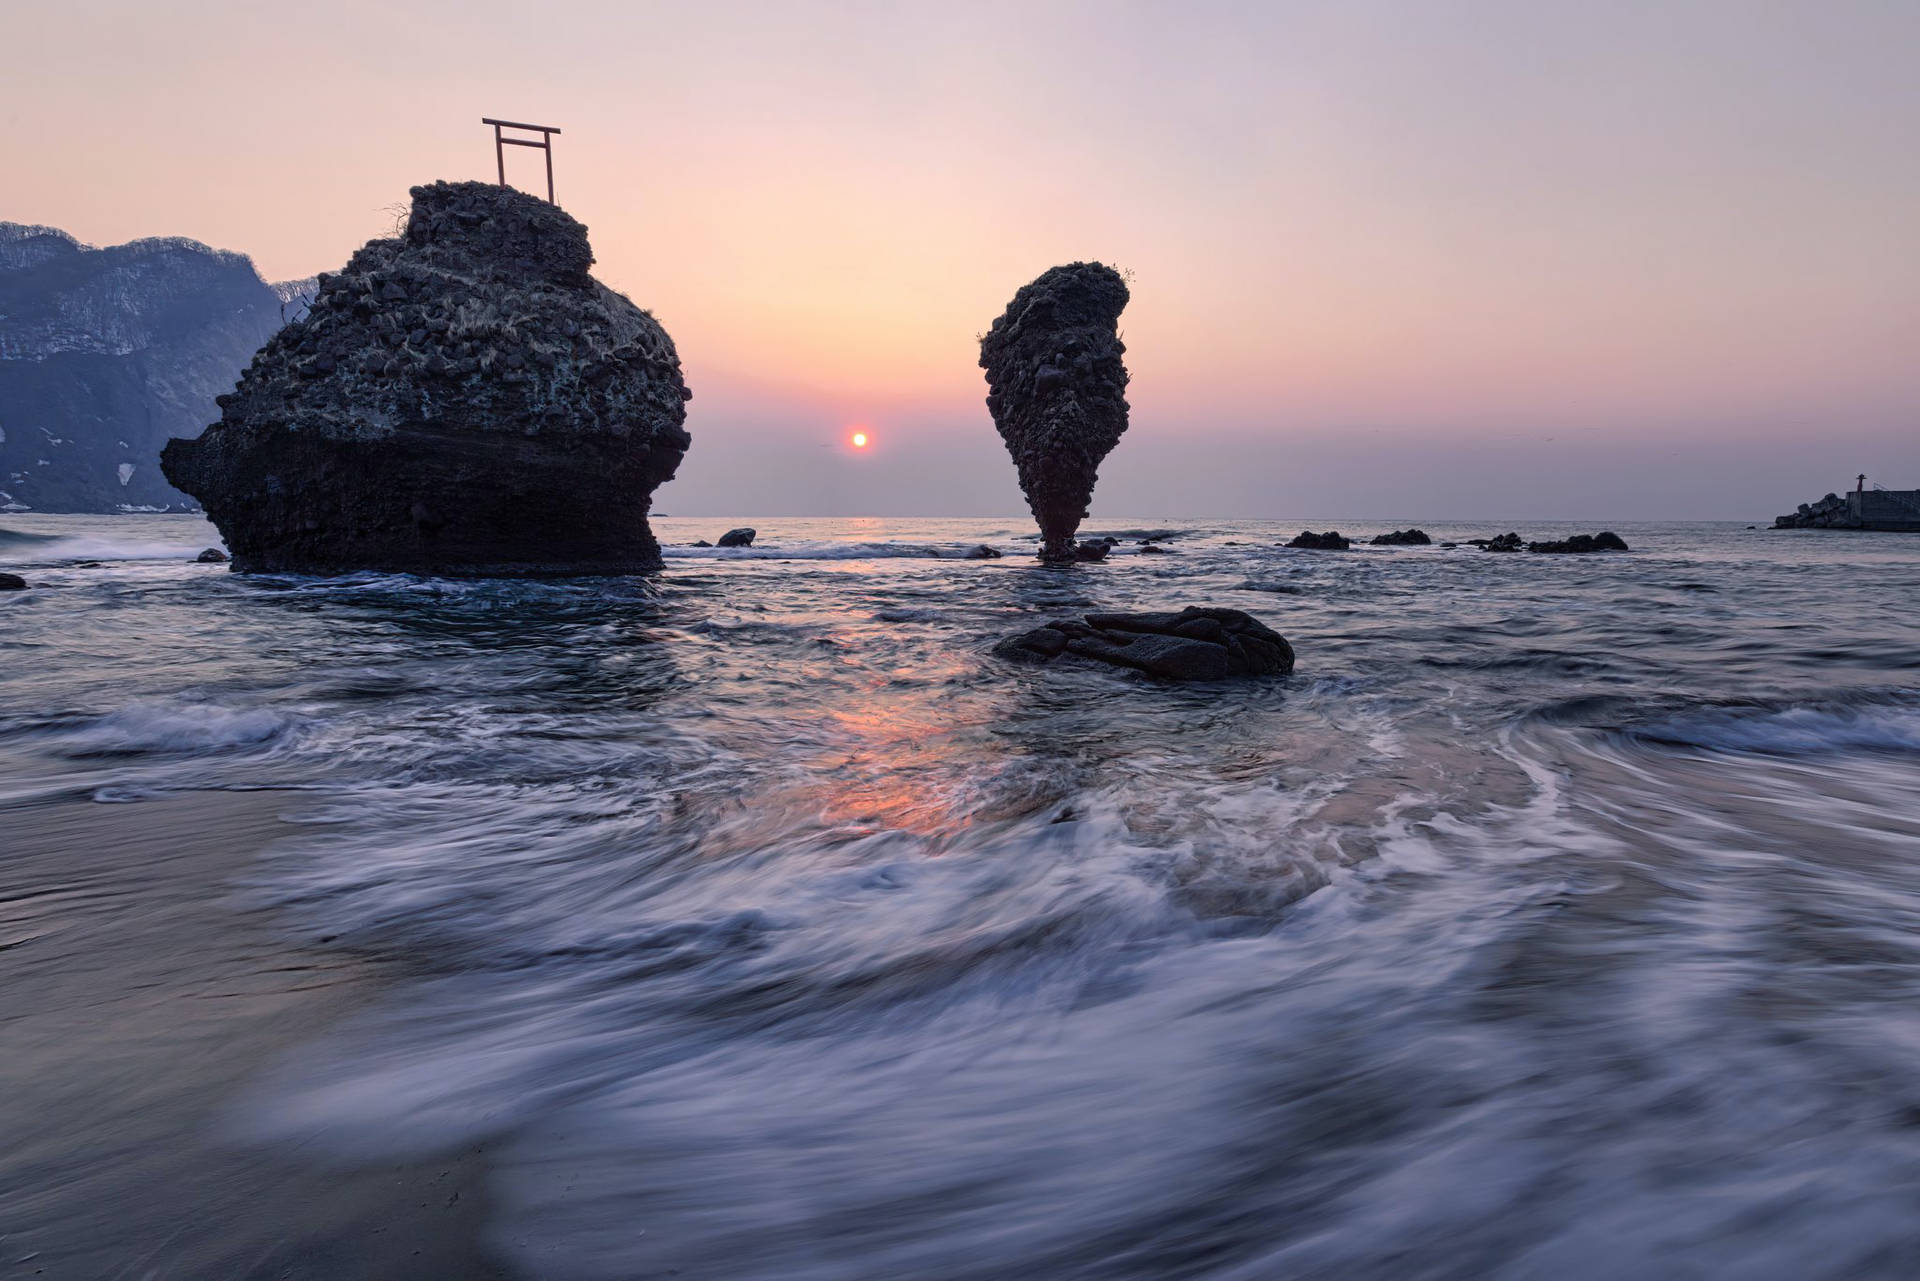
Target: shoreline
{"type": "Point", "coordinates": [136, 1000]}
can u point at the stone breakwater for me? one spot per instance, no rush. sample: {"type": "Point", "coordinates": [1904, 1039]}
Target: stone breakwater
{"type": "Point", "coordinates": [461, 399]}
{"type": "Point", "coordinates": [1885, 510]}
{"type": "Point", "coordinates": [1830, 512]}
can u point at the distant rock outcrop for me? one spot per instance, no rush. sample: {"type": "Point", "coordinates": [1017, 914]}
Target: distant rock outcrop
{"type": "Point", "coordinates": [1605, 541]}
{"type": "Point", "coordinates": [1331, 541]}
{"type": "Point", "coordinates": [1057, 391]}
{"type": "Point", "coordinates": [1402, 538]}
{"type": "Point", "coordinates": [462, 399]}
{"type": "Point", "coordinates": [742, 537]}
{"type": "Point", "coordinates": [1507, 542]}
{"type": "Point", "coordinates": [105, 353]}
{"type": "Point", "coordinates": [1195, 644]}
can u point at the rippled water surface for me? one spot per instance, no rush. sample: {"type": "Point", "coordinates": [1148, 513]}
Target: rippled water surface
{"type": "Point", "coordinates": [1559, 917]}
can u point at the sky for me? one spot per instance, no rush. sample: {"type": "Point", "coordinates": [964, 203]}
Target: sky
{"type": "Point", "coordinates": [1525, 259]}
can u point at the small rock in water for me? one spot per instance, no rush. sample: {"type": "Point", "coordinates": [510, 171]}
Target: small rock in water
{"type": "Point", "coordinates": [12, 583]}
{"type": "Point", "coordinates": [1402, 538]}
{"type": "Point", "coordinates": [1331, 541]}
{"type": "Point", "coordinates": [700, 543]}
{"type": "Point", "coordinates": [1154, 549]}
{"type": "Point", "coordinates": [742, 537]}
{"type": "Point", "coordinates": [1504, 543]}
{"type": "Point", "coordinates": [212, 556]}
{"type": "Point", "coordinates": [1194, 644]}
{"type": "Point", "coordinates": [982, 552]}
{"type": "Point", "coordinates": [1094, 548]}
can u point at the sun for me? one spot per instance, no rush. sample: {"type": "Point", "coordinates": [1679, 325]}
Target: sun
{"type": "Point", "coordinates": [858, 440]}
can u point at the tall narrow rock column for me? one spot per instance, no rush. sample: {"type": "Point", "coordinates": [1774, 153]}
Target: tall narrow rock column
{"type": "Point", "coordinates": [1057, 391]}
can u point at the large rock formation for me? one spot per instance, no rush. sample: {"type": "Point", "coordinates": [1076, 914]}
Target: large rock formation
{"type": "Point", "coordinates": [105, 353]}
{"type": "Point", "coordinates": [1057, 391]}
{"type": "Point", "coordinates": [462, 399]}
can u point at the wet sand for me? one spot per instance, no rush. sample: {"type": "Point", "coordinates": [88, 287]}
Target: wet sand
{"type": "Point", "coordinates": [137, 998]}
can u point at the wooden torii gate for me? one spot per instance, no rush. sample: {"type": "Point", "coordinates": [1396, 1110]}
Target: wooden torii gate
{"type": "Point", "coordinates": [501, 143]}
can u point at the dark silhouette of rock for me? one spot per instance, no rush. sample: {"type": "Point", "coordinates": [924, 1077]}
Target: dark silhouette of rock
{"type": "Point", "coordinates": [1581, 543]}
{"type": "Point", "coordinates": [982, 552]}
{"type": "Point", "coordinates": [1195, 644]}
{"type": "Point", "coordinates": [700, 542]}
{"type": "Point", "coordinates": [1402, 538]}
{"type": "Point", "coordinates": [1508, 542]}
{"type": "Point", "coordinates": [1331, 541]}
{"type": "Point", "coordinates": [212, 556]}
{"type": "Point", "coordinates": [1092, 548]}
{"type": "Point", "coordinates": [462, 399]}
{"type": "Point", "coordinates": [1154, 549]}
{"type": "Point", "coordinates": [742, 537]}
{"type": "Point", "coordinates": [1057, 391]}
{"type": "Point", "coordinates": [12, 583]}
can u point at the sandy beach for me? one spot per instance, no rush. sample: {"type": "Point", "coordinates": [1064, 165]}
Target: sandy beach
{"type": "Point", "coordinates": [136, 999]}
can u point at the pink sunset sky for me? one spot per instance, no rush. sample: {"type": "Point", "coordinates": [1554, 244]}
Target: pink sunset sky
{"type": "Point", "coordinates": [1522, 259]}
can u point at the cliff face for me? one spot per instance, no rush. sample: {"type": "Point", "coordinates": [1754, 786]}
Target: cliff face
{"type": "Point", "coordinates": [1056, 387]}
{"type": "Point", "coordinates": [463, 399]}
{"type": "Point", "coordinates": [105, 353]}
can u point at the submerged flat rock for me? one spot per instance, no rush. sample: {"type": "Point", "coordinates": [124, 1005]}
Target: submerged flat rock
{"type": "Point", "coordinates": [461, 399]}
{"type": "Point", "coordinates": [1193, 644]}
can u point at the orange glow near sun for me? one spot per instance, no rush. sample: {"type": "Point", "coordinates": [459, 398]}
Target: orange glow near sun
{"type": "Point", "coordinates": [858, 440]}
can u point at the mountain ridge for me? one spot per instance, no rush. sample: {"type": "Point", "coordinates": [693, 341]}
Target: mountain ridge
{"type": "Point", "coordinates": [106, 353]}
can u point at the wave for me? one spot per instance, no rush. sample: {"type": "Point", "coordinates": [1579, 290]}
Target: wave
{"type": "Point", "coordinates": [52, 549]}
{"type": "Point", "coordinates": [175, 728]}
{"type": "Point", "coordinates": [20, 538]}
{"type": "Point", "coordinates": [1793, 730]}
{"type": "Point", "coordinates": [826, 551]}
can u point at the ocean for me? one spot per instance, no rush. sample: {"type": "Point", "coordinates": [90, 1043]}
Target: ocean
{"type": "Point", "coordinates": [1558, 917]}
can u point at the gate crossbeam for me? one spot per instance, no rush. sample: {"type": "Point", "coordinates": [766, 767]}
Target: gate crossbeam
{"type": "Point", "coordinates": [501, 142]}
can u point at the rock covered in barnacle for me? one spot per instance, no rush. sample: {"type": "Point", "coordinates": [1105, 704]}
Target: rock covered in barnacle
{"type": "Point", "coordinates": [1057, 391]}
{"type": "Point", "coordinates": [463, 398]}
{"type": "Point", "coordinates": [1194, 644]}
